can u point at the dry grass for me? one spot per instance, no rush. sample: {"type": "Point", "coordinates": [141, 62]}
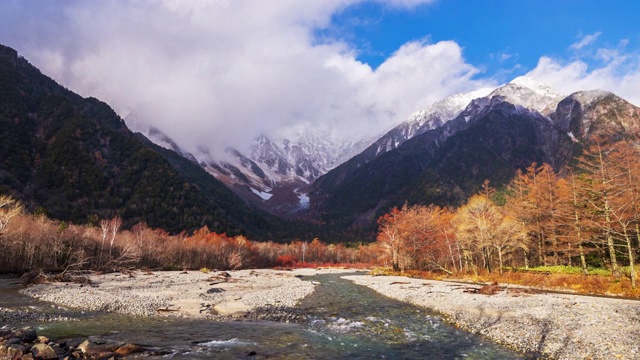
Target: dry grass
{"type": "Point", "coordinates": [580, 284]}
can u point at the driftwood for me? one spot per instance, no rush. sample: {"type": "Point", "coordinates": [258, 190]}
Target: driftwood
{"type": "Point", "coordinates": [400, 283]}
{"type": "Point", "coordinates": [167, 310]}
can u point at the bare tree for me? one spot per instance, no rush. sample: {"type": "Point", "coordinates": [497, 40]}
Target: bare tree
{"type": "Point", "coordinates": [9, 207]}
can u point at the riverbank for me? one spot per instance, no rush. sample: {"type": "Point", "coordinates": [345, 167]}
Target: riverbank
{"type": "Point", "coordinates": [557, 325]}
{"type": "Point", "coordinates": [187, 293]}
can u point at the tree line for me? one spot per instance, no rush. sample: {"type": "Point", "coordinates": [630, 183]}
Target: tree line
{"type": "Point", "coordinates": [588, 215]}
{"type": "Point", "coordinates": [33, 242]}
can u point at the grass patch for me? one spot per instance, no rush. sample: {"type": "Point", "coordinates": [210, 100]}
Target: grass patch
{"type": "Point", "coordinates": [575, 270]}
{"type": "Point", "coordinates": [556, 278]}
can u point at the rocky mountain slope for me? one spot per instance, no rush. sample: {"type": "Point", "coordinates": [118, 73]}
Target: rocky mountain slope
{"type": "Point", "coordinates": [515, 125]}
{"type": "Point", "coordinates": [74, 159]}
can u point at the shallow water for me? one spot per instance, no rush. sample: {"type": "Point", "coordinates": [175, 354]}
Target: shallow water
{"type": "Point", "coordinates": [342, 321]}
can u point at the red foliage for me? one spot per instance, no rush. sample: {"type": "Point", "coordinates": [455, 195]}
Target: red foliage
{"type": "Point", "coordinates": [285, 261]}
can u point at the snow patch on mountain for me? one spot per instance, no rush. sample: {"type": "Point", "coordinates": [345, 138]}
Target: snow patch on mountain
{"type": "Point", "coordinates": [529, 93]}
{"type": "Point", "coordinates": [441, 111]}
{"type": "Point", "coordinates": [263, 195]}
{"type": "Point", "coordinates": [589, 97]}
{"type": "Point", "coordinates": [421, 121]}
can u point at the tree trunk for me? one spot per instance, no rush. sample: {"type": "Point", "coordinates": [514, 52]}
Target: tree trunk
{"type": "Point", "coordinates": [631, 259]}
{"type": "Point", "coordinates": [583, 261]}
{"type": "Point", "coordinates": [610, 244]}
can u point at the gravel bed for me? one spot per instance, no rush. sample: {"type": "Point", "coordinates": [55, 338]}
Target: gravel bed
{"type": "Point", "coordinates": [188, 293]}
{"type": "Point", "coordinates": [12, 316]}
{"type": "Point", "coordinates": [559, 326]}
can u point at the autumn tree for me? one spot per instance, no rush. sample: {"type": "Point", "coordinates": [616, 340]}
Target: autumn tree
{"type": "Point", "coordinates": [600, 189]}
{"type": "Point", "coordinates": [9, 208]}
{"type": "Point", "coordinates": [483, 231]}
{"type": "Point", "coordinates": [625, 159]}
{"type": "Point", "coordinates": [389, 235]}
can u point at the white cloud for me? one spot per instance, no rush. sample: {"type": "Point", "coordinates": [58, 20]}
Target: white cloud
{"type": "Point", "coordinates": [220, 73]}
{"type": "Point", "coordinates": [615, 69]}
{"type": "Point", "coordinates": [620, 75]}
{"type": "Point", "coordinates": [585, 40]}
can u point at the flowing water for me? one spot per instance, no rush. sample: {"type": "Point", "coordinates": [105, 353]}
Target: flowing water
{"type": "Point", "coordinates": [342, 321]}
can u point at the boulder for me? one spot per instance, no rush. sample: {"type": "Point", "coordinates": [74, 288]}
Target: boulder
{"type": "Point", "coordinates": [232, 309]}
{"type": "Point", "coordinates": [15, 351]}
{"type": "Point", "coordinates": [42, 339]}
{"type": "Point", "coordinates": [43, 351]}
{"type": "Point", "coordinates": [27, 334]}
{"type": "Point", "coordinates": [98, 348]}
{"type": "Point", "coordinates": [128, 349]}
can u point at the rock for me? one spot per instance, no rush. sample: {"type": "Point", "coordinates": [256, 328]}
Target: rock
{"type": "Point", "coordinates": [101, 349]}
{"type": "Point", "coordinates": [27, 334]}
{"type": "Point", "coordinates": [43, 351]}
{"type": "Point", "coordinates": [12, 341]}
{"type": "Point", "coordinates": [232, 309]}
{"type": "Point", "coordinates": [128, 349]}
{"type": "Point", "coordinates": [42, 339]}
{"type": "Point", "coordinates": [15, 351]}
{"type": "Point", "coordinates": [4, 334]}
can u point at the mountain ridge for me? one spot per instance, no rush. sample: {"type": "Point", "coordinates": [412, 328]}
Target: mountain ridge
{"type": "Point", "coordinates": [490, 139]}
{"type": "Point", "coordinates": [75, 159]}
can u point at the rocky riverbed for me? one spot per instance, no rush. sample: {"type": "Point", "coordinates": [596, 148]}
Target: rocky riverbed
{"type": "Point", "coordinates": [187, 293]}
{"type": "Point", "coordinates": [560, 326]}
{"type": "Point", "coordinates": [24, 343]}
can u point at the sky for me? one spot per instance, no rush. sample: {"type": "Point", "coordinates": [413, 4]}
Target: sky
{"type": "Point", "coordinates": [216, 74]}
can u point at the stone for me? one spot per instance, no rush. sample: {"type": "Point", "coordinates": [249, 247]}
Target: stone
{"type": "Point", "coordinates": [128, 349]}
{"type": "Point", "coordinates": [27, 334]}
{"type": "Point", "coordinates": [12, 341]}
{"type": "Point", "coordinates": [99, 348]}
{"type": "Point", "coordinates": [232, 309]}
{"type": "Point", "coordinates": [43, 351]}
{"type": "Point", "coordinates": [42, 339]}
{"type": "Point", "coordinates": [15, 351]}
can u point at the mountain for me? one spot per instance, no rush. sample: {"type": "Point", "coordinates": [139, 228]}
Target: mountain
{"type": "Point", "coordinates": [529, 93]}
{"type": "Point", "coordinates": [74, 159]}
{"type": "Point", "coordinates": [273, 175]}
{"type": "Point", "coordinates": [432, 117]}
{"type": "Point", "coordinates": [490, 139]}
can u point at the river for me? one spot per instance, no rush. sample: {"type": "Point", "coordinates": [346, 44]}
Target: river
{"type": "Point", "coordinates": [341, 321]}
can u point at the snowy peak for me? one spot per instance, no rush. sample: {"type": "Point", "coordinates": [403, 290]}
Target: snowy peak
{"type": "Point", "coordinates": [589, 97]}
{"type": "Point", "coordinates": [432, 117]}
{"type": "Point", "coordinates": [441, 111]}
{"type": "Point", "coordinates": [274, 173]}
{"type": "Point", "coordinates": [529, 93]}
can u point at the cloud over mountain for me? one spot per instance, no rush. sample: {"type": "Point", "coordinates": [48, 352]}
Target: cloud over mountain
{"type": "Point", "coordinates": [214, 74]}
{"type": "Point", "coordinates": [221, 73]}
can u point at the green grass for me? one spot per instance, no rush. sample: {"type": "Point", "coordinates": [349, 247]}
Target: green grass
{"type": "Point", "coordinates": [566, 270]}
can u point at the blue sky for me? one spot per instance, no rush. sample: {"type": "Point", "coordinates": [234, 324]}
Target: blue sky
{"type": "Point", "coordinates": [214, 73]}
{"type": "Point", "coordinates": [503, 37]}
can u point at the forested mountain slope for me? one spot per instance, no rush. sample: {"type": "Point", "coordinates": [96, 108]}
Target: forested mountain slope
{"type": "Point", "coordinates": [74, 159]}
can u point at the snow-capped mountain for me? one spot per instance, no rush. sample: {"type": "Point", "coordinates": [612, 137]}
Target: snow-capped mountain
{"type": "Point", "coordinates": [274, 173]}
{"type": "Point", "coordinates": [529, 93]}
{"type": "Point", "coordinates": [492, 138]}
{"type": "Point", "coordinates": [424, 120]}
